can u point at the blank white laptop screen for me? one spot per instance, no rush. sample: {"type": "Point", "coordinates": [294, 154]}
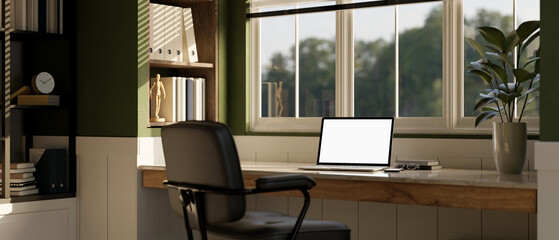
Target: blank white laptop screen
{"type": "Point", "coordinates": [356, 141]}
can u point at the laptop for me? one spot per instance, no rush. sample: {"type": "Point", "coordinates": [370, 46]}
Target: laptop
{"type": "Point", "coordinates": [354, 144]}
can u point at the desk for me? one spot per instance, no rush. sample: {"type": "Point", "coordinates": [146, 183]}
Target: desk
{"type": "Point", "coordinates": [476, 189]}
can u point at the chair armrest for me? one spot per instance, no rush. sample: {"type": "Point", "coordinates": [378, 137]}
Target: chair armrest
{"type": "Point", "coordinates": [285, 181]}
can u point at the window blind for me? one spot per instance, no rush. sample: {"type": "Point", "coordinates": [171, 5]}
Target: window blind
{"type": "Point", "coordinates": [270, 8]}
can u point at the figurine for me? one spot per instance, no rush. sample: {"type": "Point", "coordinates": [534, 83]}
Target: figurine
{"type": "Point", "coordinates": [159, 90]}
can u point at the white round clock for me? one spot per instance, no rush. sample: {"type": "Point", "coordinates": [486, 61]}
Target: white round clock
{"type": "Point", "coordinates": [43, 83]}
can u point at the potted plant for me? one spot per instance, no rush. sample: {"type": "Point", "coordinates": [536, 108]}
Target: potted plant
{"type": "Point", "coordinates": [511, 84]}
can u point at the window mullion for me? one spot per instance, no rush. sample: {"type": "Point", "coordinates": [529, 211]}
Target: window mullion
{"type": "Point", "coordinates": [344, 63]}
{"type": "Point", "coordinates": [396, 65]}
{"type": "Point", "coordinates": [296, 66]}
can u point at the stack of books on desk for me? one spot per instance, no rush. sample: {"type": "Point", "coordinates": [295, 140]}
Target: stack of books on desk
{"type": "Point", "coordinates": [423, 164]}
{"type": "Point", "coordinates": [22, 181]}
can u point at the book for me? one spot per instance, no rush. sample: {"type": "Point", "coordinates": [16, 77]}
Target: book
{"type": "Point", "coordinates": [22, 184]}
{"type": "Point", "coordinates": [19, 175]}
{"type": "Point", "coordinates": [433, 167]}
{"type": "Point", "coordinates": [21, 91]}
{"type": "Point", "coordinates": [19, 189]}
{"type": "Point", "coordinates": [38, 100]}
{"type": "Point", "coordinates": [420, 162]}
{"type": "Point", "coordinates": [20, 180]}
{"type": "Point", "coordinates": [24, 193]}
{"type": "Point", "coordinates": [20, 165]}
{"type": "Point", "coordinates": [21, 170]}
{"type": "Point", "coordinates": [181, 102]}
{"type": "Point", "coordinates": [199, 99]}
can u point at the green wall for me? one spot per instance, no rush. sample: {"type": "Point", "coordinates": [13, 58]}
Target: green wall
{"type": "Point", "coordinates": [549, 107]}
{"type": "Point", "coordinates": [111, 71]}
{"type": "Point", "coordinates": [238, 72]}
{"type": "Point", "coordinates": [106, 69]}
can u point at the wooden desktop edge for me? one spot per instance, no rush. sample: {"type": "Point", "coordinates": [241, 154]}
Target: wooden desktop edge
{"type": "Point", "coordinates": [472, 197]}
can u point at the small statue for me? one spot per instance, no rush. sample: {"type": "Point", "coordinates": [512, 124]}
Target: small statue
{"type": "Point", "coordinates": [160, 89]}
{"type": "Point", "coordinates": [279, 100]}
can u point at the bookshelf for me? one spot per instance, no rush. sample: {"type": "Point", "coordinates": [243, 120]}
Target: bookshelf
{"type": "Point", "coordinates": [205, 18]}
{"type": "Point", "coordinates": [25, 53]}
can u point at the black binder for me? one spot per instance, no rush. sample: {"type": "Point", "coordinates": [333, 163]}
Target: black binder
{"type": "Point", "coordinates": [51, 172]}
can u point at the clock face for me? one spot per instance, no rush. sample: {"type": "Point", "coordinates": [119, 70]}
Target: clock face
{"type": "Point", "coordinates": [43, 83]}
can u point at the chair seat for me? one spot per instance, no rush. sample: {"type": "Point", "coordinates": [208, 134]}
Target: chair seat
{"type": "Point", "coordinates": [272, 226]}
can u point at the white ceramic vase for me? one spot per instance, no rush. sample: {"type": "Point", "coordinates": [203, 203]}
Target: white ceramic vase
{"type": "Point", "coordinates": [509, 146]}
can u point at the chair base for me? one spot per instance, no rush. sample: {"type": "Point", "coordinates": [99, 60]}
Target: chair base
{"type": "Point", "coordinates": [272, 226]}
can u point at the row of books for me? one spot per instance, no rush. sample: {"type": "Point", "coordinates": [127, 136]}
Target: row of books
{"type": "Point", "coordinates": [171, 34]}
{"type": "Point", "coordinates": [22, 181]}
{"type": "Point", "coordinates": [184, 100]}
{"type": "Point", "coordinates": [422, 164]}
{"type": "Point", "coordinates": [37, 15]}
{"type": "Point", "coordinates": [38, 100]}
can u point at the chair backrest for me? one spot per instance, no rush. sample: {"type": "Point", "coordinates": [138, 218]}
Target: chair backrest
{"type": "Point", "coordinates": [204, 153]}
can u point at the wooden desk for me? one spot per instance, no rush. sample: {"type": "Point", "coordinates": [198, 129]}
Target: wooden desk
{"type": "Point", "coordinates": [476, 189]}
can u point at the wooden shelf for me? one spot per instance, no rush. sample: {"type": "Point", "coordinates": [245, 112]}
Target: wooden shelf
{"type": "Point", "coordinates": [172, 64]}
{"type": "Point", "coordinates": [37, 107]}
{"type": "Point", "coordinates": [160, 124]}
{"type": "Point", "coordinates": [38, 197]}
{"type": "Point", "coordinates": [20, 35]}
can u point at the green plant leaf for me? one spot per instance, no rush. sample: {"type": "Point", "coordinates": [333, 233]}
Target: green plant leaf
{"type": "Point", "coordinates": [493, 36]}
{"type": "Point", "coordinates": [499, 56]}
{"type": "Point", "coordinates": [530, 40]}
{"type": "Point", "coordinates": [476, 46]}
{"type": "Point", "coordinates": [485, 116]}
{"type": "Point", "coordinates": [484, 101]}
{"type": "Point", "coordinates": [498, 71]}
{"type": "Point", "coordinates": [486, 76]}
{"type": "Point", "coordinates": [527, 28]}
{"type": "Point", "coordinates": [511, 41]}
{"type": "Point", "coordinates": [529, 91]}
{"type": "Point", "coordinates": [478, 64]}
{"type": "Point", "coordinates": [531, 61]}
{"type": "Point", "coordinates": [491, 109]}
{"type": "Point", "coordinates": [506, 98]}
{"type": "Point", "coordinates": [523, 75]}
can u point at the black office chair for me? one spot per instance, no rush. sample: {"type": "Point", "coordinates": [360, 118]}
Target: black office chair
{"type": "Point", "coordinates": [206, 187]}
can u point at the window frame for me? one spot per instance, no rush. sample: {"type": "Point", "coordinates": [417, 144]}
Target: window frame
{"type": "Point", "coordinates": [452, 120]}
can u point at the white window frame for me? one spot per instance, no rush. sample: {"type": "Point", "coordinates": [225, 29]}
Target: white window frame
{"type": "Point", "coordinates": [452, 120]}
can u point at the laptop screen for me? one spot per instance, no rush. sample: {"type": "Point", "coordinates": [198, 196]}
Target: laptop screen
{"type": "Point", "coordinates": [356, 141]}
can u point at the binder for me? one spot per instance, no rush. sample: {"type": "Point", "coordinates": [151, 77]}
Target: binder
{"type": "Point", "coordinates": [189, 39]}
{"type": "Point", "coordinates": [158, 40]}
{"type": "Point", "coordinates": [47, 170]}
{"type": "Point", "coordinates": [42, 15]}
{"type": "Point", "coordinates": [151, 50]}
{"type": "Point", "coordinates": [168, 44]}
{"type": "Point", "coordinates": [177, 35]}
{"type": "Point", "coordinates": [62, 171]}
{"type": "Point", "coordinates": [199, 99]}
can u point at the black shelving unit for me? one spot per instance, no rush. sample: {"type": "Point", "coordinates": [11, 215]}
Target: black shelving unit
{"type": "Point", "coordinates": [26, 53]}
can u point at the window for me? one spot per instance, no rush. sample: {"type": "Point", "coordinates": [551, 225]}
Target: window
{"type": "Point", "coordinates": [397, 60]}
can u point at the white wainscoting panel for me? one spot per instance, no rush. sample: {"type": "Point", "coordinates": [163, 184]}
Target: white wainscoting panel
{"type": "Point", "coordinates": [459, 223]}
{"type": "Point", "coordinates": [107, 185]}
{"type": "Point", "coordinates": [93, 194]}
{"type": "Point", "coordinates": [547, 164]}
{"type": "Point", "coordinates": [40, 220]}
{"type": "Point", "coordinates": [342, 211]}
{"type": "Point", "coordinates": [377, 221]}
{"type": "Point", "coordinates": [504, 225]}
{"type": "Point", "coordinates": [416, 222]}
{"type": "Point", "coordinates": [315, 208]}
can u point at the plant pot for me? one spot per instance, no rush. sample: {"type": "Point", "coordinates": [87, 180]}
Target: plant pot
{"type": "Point", "coordinates": [509, 146]}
